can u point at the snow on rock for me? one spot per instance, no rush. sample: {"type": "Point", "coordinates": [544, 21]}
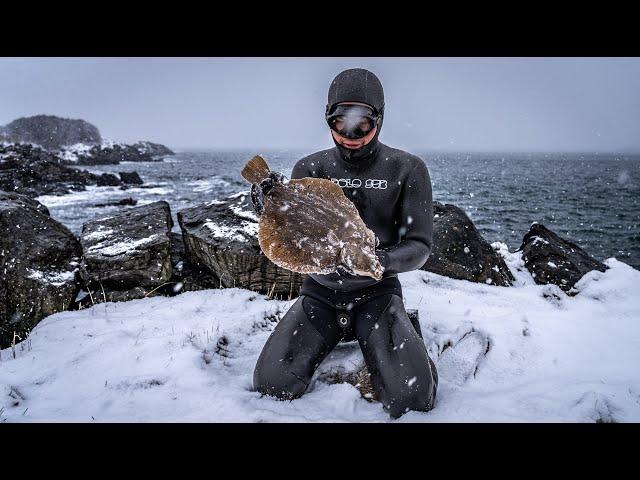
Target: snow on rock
{"type": "Point", "coordinates": [32, 171]}
{"type": "Point", "coordinates": [552, 259]}
{"type": "Point", "coordinates": [55, 278]}
{"type": "Point", "coordinates": [72, 152]}
{"type": "Point", "coordinates": [129, 249]}
{"type": "Point", "coordinates": [223, 237]}
{"type": "Point", "coordinates": [110, 152]}
{"type": "Point", "coordinates": [38, 260]}
{"type": "Point", "coordinates": [503, 354]}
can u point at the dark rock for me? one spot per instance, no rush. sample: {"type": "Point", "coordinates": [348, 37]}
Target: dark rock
{"type": "Point", "coordinates": [153, 149]}
{"type": "Point", "coordinates": [100, 295]}
{"type": "Point", "coordinates": [359, 378]}
{"type": "Point", "coordinates": [31, 171]}
{"type": "Point", "coordinates": [112, 155]}
{"type": "Point", "coordinates": [38, 259]}
{"type": "Point", "coordinates": [552, 259]}
{"type": "Point", "coordinates": [51, 132]}
{"type": "Point", "coordinates": [222, 236]}
{"type": "Point", "coordinates": [108, 180]}
{"type": "Point", "coordinates": [130, 178]}
{"type": "Point", "coordinates": [124, 201]}
{"type": "Point", "coordinates": [23, 201]}
{"type": "Point", "coordinates": [460, 252]}
{"type": "Point", "coordinates": [128, 249]}
{"type": "Point", "coordinates": [188, 276]}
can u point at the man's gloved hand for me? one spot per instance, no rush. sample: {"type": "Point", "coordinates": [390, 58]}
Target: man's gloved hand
{"type": "Point", "coordinates": [259, 190]}
{"type": "Point", "coordinates": [383, 257]}
{"type": "Point", "coordinates": [344, 271]}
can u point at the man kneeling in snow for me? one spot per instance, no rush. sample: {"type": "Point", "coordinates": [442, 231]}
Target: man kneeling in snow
{"type": "Point", "coordinates": [392, 191]}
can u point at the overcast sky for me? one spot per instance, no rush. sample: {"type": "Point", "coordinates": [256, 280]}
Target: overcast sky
{"type": "Point", "coordinates": [583, 104]}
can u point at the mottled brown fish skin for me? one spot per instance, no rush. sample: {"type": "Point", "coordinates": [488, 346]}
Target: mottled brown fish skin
{"type": "Point", "coordinates": [310, 226]}
{"type": "Point", "coordinates": [323, 229]}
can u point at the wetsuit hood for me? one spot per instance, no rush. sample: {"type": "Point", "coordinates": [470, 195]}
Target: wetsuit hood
{"type": "Point", "coordinates": [358, 85]}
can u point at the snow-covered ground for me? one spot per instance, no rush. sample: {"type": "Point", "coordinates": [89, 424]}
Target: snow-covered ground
{"type": "Point", "coordinates": [522, 353]}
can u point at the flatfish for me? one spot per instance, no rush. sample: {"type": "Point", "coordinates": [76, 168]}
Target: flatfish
{"type": "Point", "coordinates": [309, 226]}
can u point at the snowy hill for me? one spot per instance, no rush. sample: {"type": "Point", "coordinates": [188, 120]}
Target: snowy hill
{"type": "Point", "coordinates": [522, 353]}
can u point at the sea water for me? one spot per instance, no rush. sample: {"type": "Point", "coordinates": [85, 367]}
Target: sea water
{"type": "Point", "coordinates": [591, 199]}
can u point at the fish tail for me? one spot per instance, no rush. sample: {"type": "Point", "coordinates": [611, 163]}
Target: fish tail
{"type": "Point", "coordinates": [255, 170]}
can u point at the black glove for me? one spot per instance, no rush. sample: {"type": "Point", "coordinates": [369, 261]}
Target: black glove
{"type": "Point", "coordinates": [259, 190]}
{"type": "Point", "coordinates": [344, 271]}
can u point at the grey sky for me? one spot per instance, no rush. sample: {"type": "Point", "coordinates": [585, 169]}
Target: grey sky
{"type": "Point", "coordinates": [432, 103]}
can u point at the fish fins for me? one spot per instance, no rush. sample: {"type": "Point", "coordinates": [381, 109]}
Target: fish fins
{"type": "Point", "coordinates": [255, 170]}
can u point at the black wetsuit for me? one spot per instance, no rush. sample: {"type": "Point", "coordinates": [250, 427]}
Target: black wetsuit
{"type": "Point", "coordinates": [392, 191]}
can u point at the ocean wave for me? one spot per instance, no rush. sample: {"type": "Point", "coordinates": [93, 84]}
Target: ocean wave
{"type": "Point", "coordinates": [207, 185]}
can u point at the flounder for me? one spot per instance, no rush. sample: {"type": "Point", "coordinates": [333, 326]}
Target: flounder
{"type": "Point", "coordinates": [309, 226]}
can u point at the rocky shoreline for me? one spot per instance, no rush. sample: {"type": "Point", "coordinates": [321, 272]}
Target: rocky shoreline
{"type": "Point", "coordinates": [134, 254]}
{"type": "Point", "coordinates": [32, 171]}
{"type": "Point", "coordinates": [37, 155]}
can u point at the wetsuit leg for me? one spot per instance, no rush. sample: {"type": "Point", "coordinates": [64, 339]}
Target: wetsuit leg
{"type": "Point", "coordinates": [298, 344]}
{"type": "Point", "coordinates": [402, 373]}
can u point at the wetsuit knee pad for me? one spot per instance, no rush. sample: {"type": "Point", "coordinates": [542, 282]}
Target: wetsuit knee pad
{"type": "Point", "coordinates": [290, 356]}
{"type": "Point", "coordinates": [397, 359]}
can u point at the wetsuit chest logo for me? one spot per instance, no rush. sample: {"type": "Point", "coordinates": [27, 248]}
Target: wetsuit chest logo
{"type": "Point", "coordinates": [357, 183]}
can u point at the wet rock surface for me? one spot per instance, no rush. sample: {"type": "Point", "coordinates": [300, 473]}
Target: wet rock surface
{"type": "Point", "coordinates": [554, 260]}
{"type": "Point", "coordinates": [23, 201]}
{"type": "Point", "coordinates": [112, 155]}
{"type": "Point", "coordinates": [32, 171]}
{"type": "Point", "coordinates": [124, 202]}
{"type": "Point", "coordinates": [222, 236]}
{"type": "Point", "coordinates": [108, 180]}
{"type": "Point", "coordinates": [130, 178]}
{"type": "Point", "coordinates": [38, 260]}
{"type": "Point", "coordinates": [128, 250]}
{"type": "Point", "coordinates": [460, 252]}
{"type": "Point", "coordinates": [187, 276]}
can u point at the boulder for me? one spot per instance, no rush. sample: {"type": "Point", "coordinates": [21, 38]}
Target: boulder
{"type": "Point", "coordinates": [51, 132]}
{"type": "Point", "coordinates": [187, 276]}
{"type": "Point", "coordinates": [38, 261]}
{"type": "Point", "coordinates": [23, 201]}
{"type": "Point", "coordinates": [223, 237]}
{"type": "Point", "coordinates": [126, 250]}
{"type": "Point", "coordinates": [130, 178]}
{"type": "Point", "coordinates": [460, 252]}
{"type": "Point", "coordinates": [108, 180]}
{"type": "Point", "coordinates": [552, 259]}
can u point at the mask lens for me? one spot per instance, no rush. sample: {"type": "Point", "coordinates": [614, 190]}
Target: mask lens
{"type": "Point", "coordinates": [352, 121]}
